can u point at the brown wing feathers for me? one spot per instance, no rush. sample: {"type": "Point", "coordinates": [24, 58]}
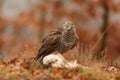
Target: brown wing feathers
{"type": "Point", "coordinates": [48, 44]}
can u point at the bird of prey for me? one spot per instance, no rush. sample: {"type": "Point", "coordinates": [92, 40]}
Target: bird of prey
{"type": "Point", "coordinates": [61, 40]}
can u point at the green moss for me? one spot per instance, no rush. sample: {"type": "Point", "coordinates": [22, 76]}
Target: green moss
{"type": "Point", "coordinates": [13, 77]}
{"type": "Point", "coordinates": [118, 77]}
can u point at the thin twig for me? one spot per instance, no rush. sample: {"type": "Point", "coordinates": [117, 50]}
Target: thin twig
{"type": "Point", "coordinates": [101, 37]}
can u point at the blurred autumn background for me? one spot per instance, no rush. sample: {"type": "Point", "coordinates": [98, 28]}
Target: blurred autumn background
{"type": "Point", "coordinates": [24, 23]}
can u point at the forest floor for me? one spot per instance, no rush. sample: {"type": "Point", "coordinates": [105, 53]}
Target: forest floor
{"type": "Point", "coordinates": [23, 68]}
{"type": "Point", "coordinates": [28, 70]}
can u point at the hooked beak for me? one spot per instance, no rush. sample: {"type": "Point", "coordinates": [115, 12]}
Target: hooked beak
{"type": "Point", "coordinates": [69, 28]}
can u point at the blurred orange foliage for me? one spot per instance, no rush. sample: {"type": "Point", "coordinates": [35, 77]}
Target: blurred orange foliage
{"type": "Point", "coordinates": [87, 15]}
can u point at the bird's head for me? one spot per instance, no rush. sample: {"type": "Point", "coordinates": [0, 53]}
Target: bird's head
{"type": "Point", "coordinates": [68, 26]}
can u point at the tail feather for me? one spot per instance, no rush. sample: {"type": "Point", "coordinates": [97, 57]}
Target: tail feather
{"type": "Point", "coordinates": [39, 55]}
{"type": "Point", "coordinates": [42, 53]}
